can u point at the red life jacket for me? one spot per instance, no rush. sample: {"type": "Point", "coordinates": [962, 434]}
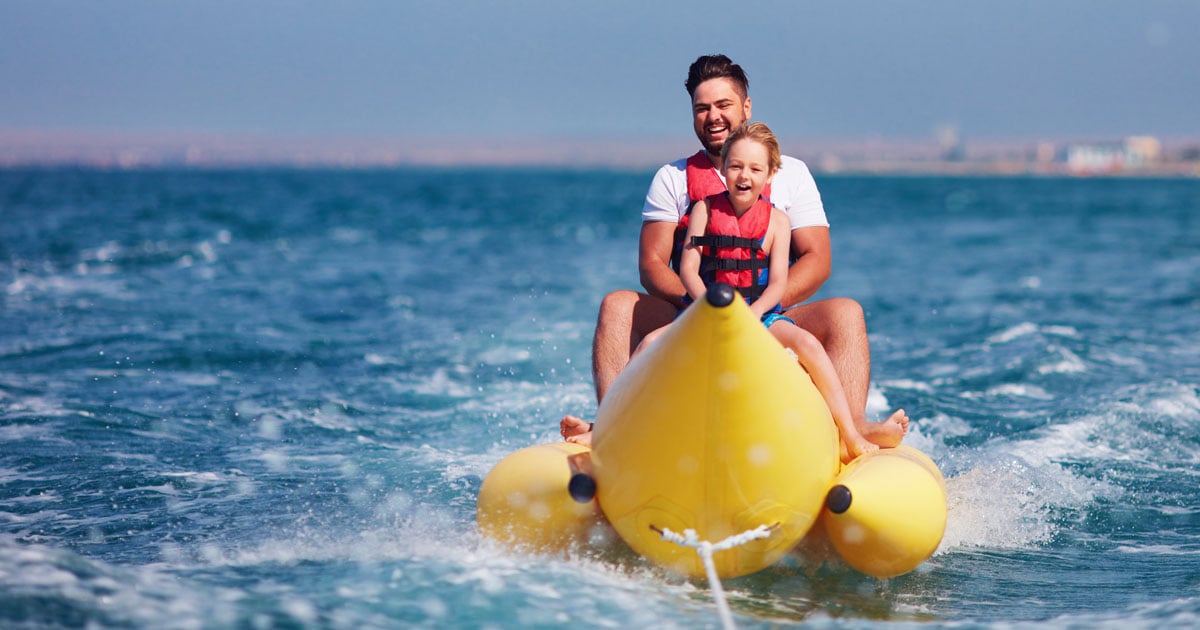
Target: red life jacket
{"type": "Point", "coordinates": [731, 248]}
{"type": "Point", "coordinates": [702, 183]}
{"type": "Point", "coordinates": [702, 179]}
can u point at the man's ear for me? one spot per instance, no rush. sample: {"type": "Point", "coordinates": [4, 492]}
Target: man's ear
{"type": "Point", "coordinates": [746, 109]}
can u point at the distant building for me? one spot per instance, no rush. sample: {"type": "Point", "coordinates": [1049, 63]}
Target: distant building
{"type": "Point", "coordinates": [951, 144]}
{"type": "Point", "coordinates": [1135, 152]}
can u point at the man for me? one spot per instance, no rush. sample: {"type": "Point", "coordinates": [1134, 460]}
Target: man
{"type": "Point", "coordinates": [721, 103]}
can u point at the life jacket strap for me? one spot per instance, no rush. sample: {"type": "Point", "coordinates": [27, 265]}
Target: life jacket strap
{"type": "Point", "coordinates": [752, 293]}
{"type": "Point", "coordinates": [722, 240]}
{"type": "Point", "coordinates": [715, 263]}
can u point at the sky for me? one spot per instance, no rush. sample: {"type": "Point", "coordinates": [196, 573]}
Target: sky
{"type": "Point", "coordinates": [521, 72]}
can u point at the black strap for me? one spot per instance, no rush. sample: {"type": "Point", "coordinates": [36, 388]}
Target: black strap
{"type": "Point", "coordinates": [709, 265]}
{"type": "Point", "coordinates": [722, 240]}
{"type": "Point", "coordinates": [714, 263]}
{"type": "Point", "coordinates": [752, 293]}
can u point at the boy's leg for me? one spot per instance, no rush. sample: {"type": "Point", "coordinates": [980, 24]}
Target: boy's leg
{"type": "Point", "coordinates": [839, 324]}
{"type": "Point", "coordinates": [816, 361]}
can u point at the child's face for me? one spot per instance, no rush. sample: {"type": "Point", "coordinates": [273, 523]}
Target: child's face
{"type": "Point", "coordinates": [747, 170]}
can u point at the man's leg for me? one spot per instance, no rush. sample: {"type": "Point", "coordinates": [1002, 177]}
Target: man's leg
{"type": "Point", "coordinates": [625, 318]}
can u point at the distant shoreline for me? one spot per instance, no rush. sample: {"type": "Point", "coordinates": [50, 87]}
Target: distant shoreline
{"type": "Point", "coordinates": [1133, 156]}
{"type": "Point", "coordinates": [899, 169]}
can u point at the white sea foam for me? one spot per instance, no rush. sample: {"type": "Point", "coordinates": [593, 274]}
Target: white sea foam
{"type": "Point", "coordinates": [39, 407]}
{"type": "Point", "coordinates": [1004, 505]}
{"type": "Point", "coordinates": [460, 463]}
{"type": "Point", "coordinates": [1177, 402]}
{"type": "Point", "coordinates": [140, 596]}
{"type": "Point", "coordinates": [1015, 332]}
{"type": "Point", "coordinates": [440, 381]}
{"type": "Point", "coordinates": [1011, 390]}
{"type": "Point", "coordinates": [380, 359]}
{"type": "Point", "coordinates": [941, 425]}
{"type": "Point", "coordinates": [1157, 550]}
{"type": "Point", "coordinates": [505, 355]}
{"type": "Point", "coordinates": [1026, 329]}
{"type": "Point", "coordinates": [906, 384]}
{"type": "Point", "coordinates": [199, 478]}
{"type": "Point", "coordinates": [24, 432]}
{"type": "Point", "coordinates": [1008, 495]}
{"type": "Point", "coordinates": [1088, 438]}
{"type": "Point", "coordinates": [332, 415]}
{"type": "Point", "coordinates": [1152, 427]}
{"type": "Point", "coordinates": [1014, 491]}
{"type": "Point", "coordinates": [1067, 362]}
{"type": "Point", "coordinates": [1169, 613]}
{"type": "Point", "coordinates": [877, 402]}
{"type": "Point", "coordinates": [86, 280]}
{"type": "Point", "coordinates": [413, 542]}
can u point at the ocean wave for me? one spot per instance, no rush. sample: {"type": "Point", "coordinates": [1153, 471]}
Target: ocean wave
{"type": "Point", "coordinates": [1007, 505]}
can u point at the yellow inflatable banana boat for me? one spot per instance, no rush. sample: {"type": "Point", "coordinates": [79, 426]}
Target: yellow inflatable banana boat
{"type": "Point", "coordinates": [713, 432]}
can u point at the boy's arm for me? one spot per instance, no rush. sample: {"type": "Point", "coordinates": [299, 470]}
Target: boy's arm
{"type": "Point", "coordinates": [689, 260]}
{"type": "Point", "coordinates": [777, 275]}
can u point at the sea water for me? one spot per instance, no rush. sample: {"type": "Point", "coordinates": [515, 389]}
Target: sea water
{"type": "Point", "coordinates": [267, 398]}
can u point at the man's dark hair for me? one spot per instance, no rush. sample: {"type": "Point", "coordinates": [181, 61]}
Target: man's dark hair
{"type": "Point", "coordinates": [716, 67]}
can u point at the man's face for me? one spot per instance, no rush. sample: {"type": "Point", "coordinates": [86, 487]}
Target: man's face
{"type": "Point", "coordinates": [717, 109]}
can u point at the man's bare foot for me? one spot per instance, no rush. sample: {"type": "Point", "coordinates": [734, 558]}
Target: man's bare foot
{"type": "Point", "coordinates": [572, 425]}
{"type": "Point", "coordinates": [583, 439]}
{"type": "Point", "coordinates": [888, 433]}
{"type": "Point", "coordinates": [576, 430]}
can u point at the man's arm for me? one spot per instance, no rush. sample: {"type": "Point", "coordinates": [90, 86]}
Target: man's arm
{"type": "Point", "coordinates": [810, 248]}
{"type": "Point", "coordinates": [654, 262]}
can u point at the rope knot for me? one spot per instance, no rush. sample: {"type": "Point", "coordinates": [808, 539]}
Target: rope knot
{"type": "Point", "coordinates": [705, 550]}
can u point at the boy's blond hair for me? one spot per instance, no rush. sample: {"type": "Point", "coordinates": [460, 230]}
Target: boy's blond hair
{"type": "Point", "coordinates": [760, 133]}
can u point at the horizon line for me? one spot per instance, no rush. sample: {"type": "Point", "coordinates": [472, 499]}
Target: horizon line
{"type": "Point", "coordinates": [117, 149]}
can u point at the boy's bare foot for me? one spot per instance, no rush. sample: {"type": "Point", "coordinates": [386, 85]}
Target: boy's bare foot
{"type": "Point", "coordinates": [858, 447]}
{"type": "Point", "coordinates": [888, 433]}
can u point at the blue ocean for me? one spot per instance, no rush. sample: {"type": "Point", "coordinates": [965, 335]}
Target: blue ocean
{"type": "Point", "coordinates": [268, 398]}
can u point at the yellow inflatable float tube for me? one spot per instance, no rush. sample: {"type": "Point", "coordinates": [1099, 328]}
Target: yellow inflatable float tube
{"type": "Point", "coordinates": [886, 512]}
{"type": "Point", "coordinates": [712, 432]}
{"type": "Point", "coordinates": [525, 502]}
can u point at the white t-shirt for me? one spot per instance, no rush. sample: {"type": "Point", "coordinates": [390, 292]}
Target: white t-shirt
{"type": "Point", "coordinates": [792, 191]}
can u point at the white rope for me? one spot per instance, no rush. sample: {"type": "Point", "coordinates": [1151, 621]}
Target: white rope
{"type": "Point", "coordinates": [705, 549]}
